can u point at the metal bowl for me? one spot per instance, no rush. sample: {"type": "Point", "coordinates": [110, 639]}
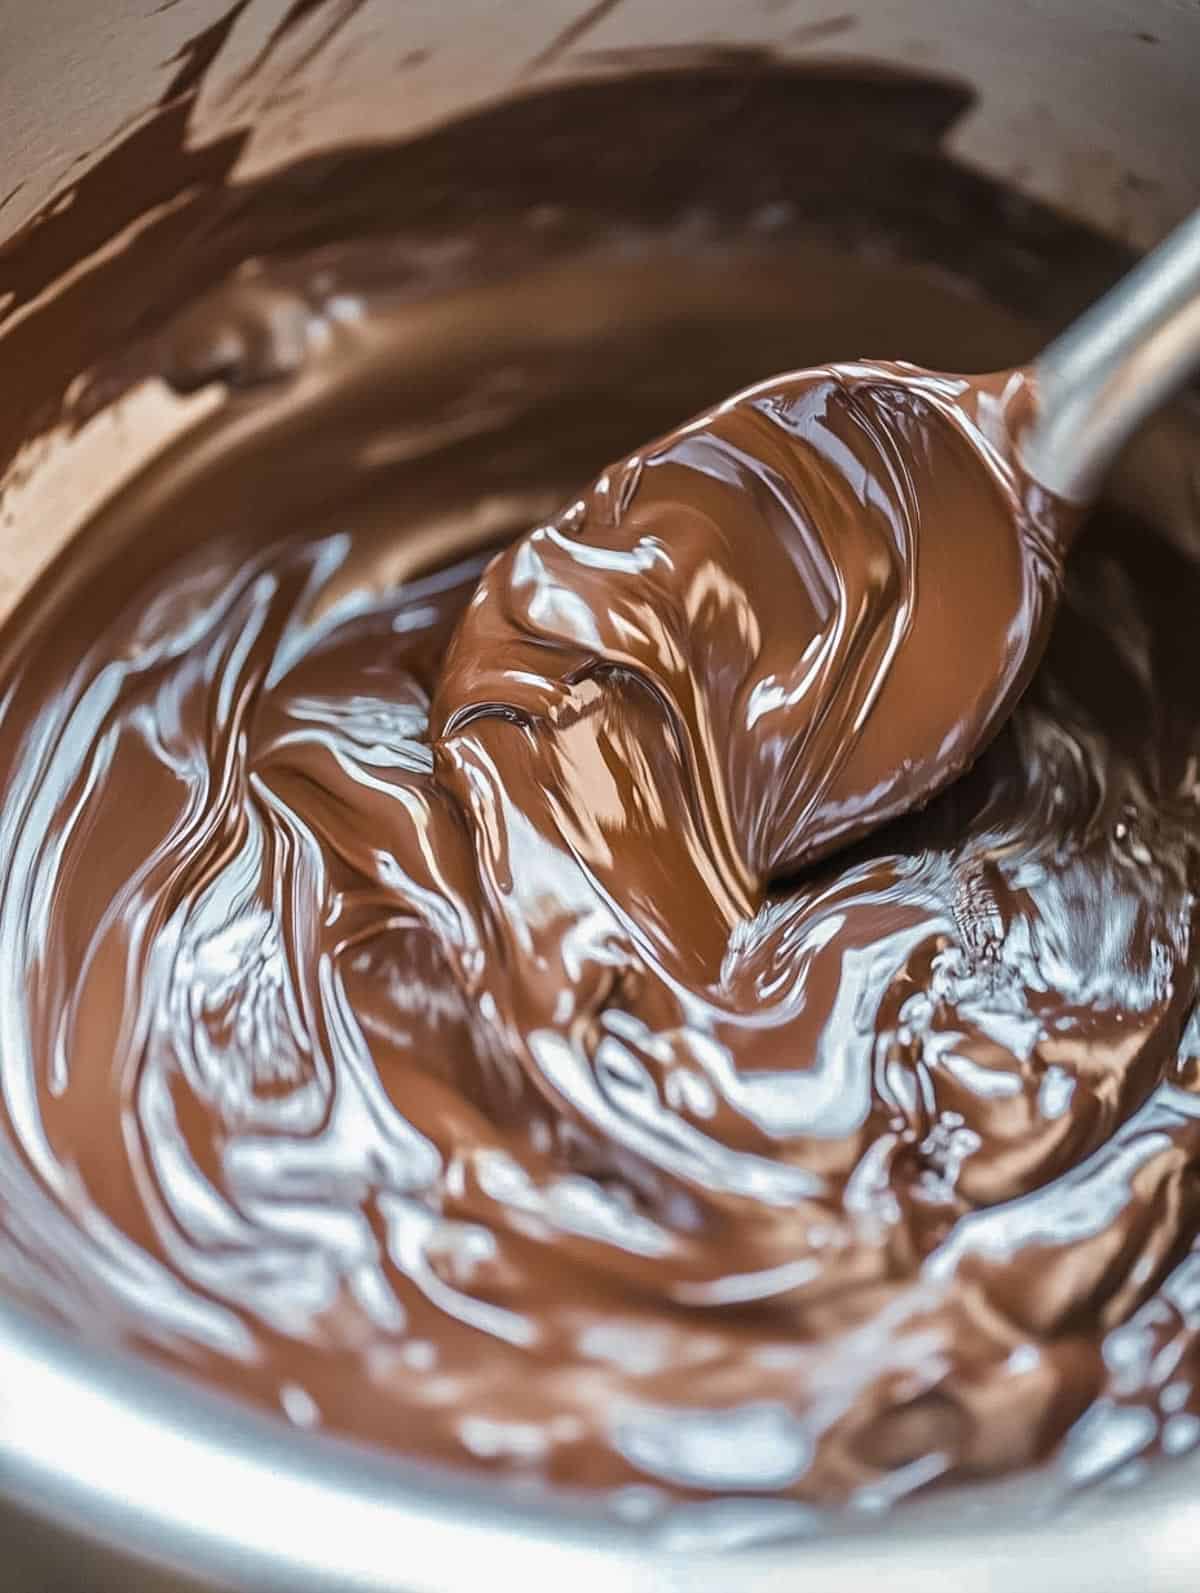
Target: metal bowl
{"type": "Point", "coordinates": [117, 1476]}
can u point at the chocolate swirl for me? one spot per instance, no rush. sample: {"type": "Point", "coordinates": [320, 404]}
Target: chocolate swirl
{"type": "Point", "coordinates": [469, 1001]}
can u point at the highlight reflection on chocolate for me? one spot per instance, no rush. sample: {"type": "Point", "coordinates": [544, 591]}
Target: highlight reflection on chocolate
{"type": "Point", "coordinates": [465, 998]}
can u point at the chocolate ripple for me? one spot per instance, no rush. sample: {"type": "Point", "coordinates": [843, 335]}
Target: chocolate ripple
{"type": "Point", "coordinates": [532, 1008]}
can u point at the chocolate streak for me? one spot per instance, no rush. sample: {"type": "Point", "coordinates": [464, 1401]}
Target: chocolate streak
{"type": "Point", "coordinates": [480, 1004]}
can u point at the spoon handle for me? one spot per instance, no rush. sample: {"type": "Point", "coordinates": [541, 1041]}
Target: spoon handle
{"type": "Point", "coordinates": [1114, 366]}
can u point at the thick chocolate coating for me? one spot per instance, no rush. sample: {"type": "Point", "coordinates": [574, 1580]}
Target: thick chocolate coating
{"type": "Point", "coordinates": [440, 1008]}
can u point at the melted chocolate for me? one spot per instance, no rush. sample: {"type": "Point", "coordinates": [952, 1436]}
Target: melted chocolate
{"type": "Point", "coordinates": [494, 1005]}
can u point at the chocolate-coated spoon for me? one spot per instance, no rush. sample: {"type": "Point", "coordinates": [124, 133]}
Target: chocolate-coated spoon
{"type": "Point", "coordinates": [841, 580]}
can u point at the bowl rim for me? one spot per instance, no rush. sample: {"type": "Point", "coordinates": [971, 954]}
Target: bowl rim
{"type": "Point", "coordinates": [102, 1446]}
